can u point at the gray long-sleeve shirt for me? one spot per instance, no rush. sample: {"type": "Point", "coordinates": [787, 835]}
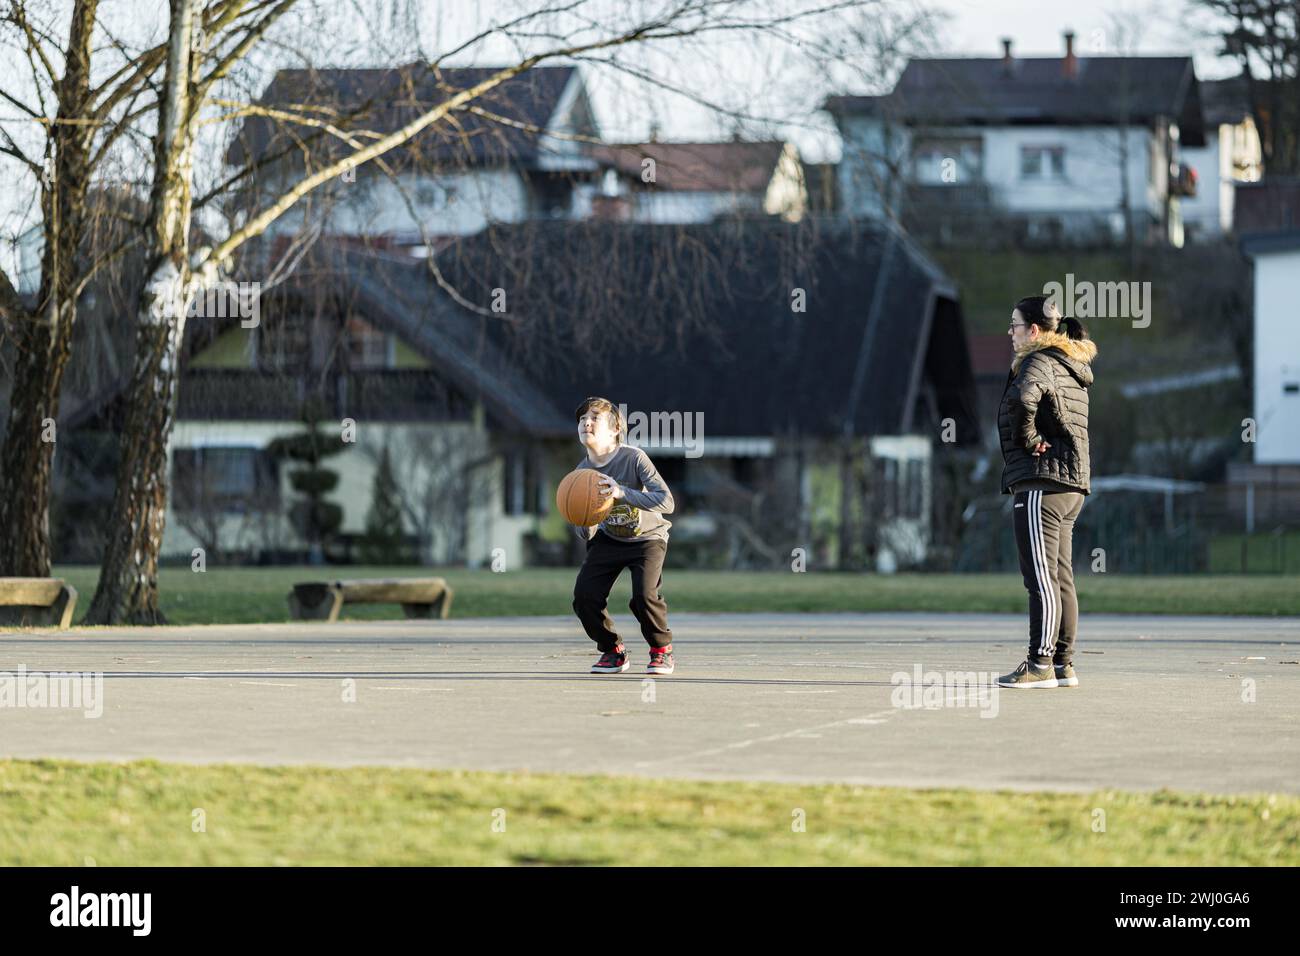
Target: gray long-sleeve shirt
{"type": "Point", "coordinates": [639, 514]}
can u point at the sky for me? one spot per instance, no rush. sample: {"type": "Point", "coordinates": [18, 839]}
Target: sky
{"type": "Point", "coordinates": [764, 79]}
{"type": "Point", "coordinates": [977, 27]}
{"type": "Point", "coordinates": [964, 27]}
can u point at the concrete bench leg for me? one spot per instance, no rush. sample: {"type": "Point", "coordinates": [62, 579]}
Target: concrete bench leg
{"type": "Point", "coordinates": [326, 608]}
{"type": "Point", "coordinates": [440, 607]}
{"type": "Point", "coordinates": [63, 607]}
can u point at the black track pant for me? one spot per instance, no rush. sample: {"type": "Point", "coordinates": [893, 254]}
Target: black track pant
{"type": "Point", "coordinates": [605, 561]}
{"type": "Point", "coordinates": [1044, 531]}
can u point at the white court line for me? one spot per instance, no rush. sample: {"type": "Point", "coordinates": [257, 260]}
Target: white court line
{"type": "Point", "coordinates": [266, 683]}
{"type": "Point", "coordinates": [417, 690]}
{"type": "Point", "coordinates": [741, 744]}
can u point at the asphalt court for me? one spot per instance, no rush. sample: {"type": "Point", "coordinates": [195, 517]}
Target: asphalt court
{"type": "Point", "coordinates": [1187, 703]}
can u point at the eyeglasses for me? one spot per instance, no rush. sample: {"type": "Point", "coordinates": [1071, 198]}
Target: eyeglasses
{"type": "Point", "coordinates": [1018, 325]}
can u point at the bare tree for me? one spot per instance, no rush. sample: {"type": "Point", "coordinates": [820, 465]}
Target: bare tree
{"type": "Point", "coordinates": [1263, 36]}
{"type": "Point", "coordinates": [85, 91]}
{"type": "Point", "coordinates": [76, 119]}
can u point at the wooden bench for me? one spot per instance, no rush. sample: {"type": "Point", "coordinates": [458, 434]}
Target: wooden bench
{"type": "Point", "coordinates": [37, 602]}
{"type": "Point", "coordinates": [322, 600]}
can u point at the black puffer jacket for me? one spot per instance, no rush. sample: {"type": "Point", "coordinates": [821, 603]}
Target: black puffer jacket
{"type": "Point", "coordinates": [1046, 399]}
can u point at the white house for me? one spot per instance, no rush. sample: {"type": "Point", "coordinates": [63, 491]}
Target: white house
{"type": "Point", "coordinates": [698, 182]}
{"type": "Point", "coordinates": [1231, 155]}
{"type": "Point", "coordinates": [524, 157]}
{"type": "Point", "coordinates": [1057, 147]}
{"type": "Point", "coordinates": [1277, 347]}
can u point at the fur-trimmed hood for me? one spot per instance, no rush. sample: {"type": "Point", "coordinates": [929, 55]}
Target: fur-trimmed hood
{"type": "Point", "coordinates": [1074, 354]}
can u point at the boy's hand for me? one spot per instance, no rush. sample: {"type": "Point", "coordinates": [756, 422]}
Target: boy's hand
{"type": "Point", "coordinates": [608, 486]}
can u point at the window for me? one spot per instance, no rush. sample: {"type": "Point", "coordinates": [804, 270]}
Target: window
{"type": "Point", "coordinates": [1042, 162]}
{"type": "Point", "coordinates": [221, 478]}
{"type": "Point", "coordinates": [427, 194]}
{"type": "Point", "coordinates": [887, 488]}
{"type": "Point", "coordinates": [914, 488]}
{"type": "Point", "coordinates": [900, 487]}
{"type": "Point", "coordinates": [522, 484]}
{"type": "Point", "coordinates": [366, 346]}
{"type": "Point", "coordinates": [941, 162]}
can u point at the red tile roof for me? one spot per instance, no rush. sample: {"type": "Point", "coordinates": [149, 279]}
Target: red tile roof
{"type": "Point", "coordinates": [699, 167]}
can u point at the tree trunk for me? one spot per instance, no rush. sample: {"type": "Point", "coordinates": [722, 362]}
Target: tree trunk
{"type": "Point", "coordinates": [127, 592]}
{"type": "Point", "coordinates": [28, 455]}
{"type": "Point", "coordinates": [44, 337]}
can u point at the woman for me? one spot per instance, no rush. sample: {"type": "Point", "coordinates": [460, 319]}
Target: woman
{"type": "Point", "coordinates": [1043, 425]}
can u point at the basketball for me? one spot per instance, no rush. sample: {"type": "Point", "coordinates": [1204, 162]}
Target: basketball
{"type": "Point", "coordinates": [579, 498]}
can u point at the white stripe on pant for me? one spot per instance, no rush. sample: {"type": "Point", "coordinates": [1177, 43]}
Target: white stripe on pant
{"type": "Point", "coordinates": [1044, 523]}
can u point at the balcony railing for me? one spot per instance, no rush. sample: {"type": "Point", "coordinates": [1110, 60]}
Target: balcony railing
{"type": "Point", "coordinates": [378, 395]}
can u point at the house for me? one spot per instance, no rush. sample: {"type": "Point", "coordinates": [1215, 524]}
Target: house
{"type": "Point", "coordinates": [790, 381]}
{"type": "Point", "coordinates": [1266, 490]}
{"type": "Point", "coordinates": [518, 152]}
{"type": "Point", "coordinates": [698, 182]}
{"type": "Point", "coordinates": [529, 149]}
{"type": "Point", "coordinates": [1276, 256]}
{"type": "Point", "coordinates": [1058, 148]}
{"type": "Point", "coordinates": [1231, 155]}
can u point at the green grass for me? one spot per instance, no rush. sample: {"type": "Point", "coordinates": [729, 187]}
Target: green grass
{"type": "Point", "coordinates": [991, 280]}
{"type": "Point", "coordinates": [252, 595]}
{"type": "Point", "coordinates": [142, 814]}
{"type": "Point", "coordinates": [1262, 554]}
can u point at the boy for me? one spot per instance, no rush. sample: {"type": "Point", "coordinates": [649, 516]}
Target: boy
{"type": "Point", "coordinates": [633, 535]}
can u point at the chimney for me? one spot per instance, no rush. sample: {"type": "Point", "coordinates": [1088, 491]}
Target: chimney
{"type": "Point", "coordinates": [1070, 65]}
{"type": "Point", "coordinates": [1006, 55]}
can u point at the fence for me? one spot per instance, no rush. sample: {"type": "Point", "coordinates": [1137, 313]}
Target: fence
{"type": "Point", "coordinates": [1154, 533]}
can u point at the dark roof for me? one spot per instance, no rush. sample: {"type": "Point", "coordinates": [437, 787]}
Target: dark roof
{"type": "Point", "coordinates": [397, 293]}
{"type": "Point", "coordinates": [1035, 91]}
{"type": "Point", "coordinates": [698, 318]}
{"type": "Point", "coordinates": [1270, 205]}
{"type": "Point", "coordinates": [735, 166]}
{"type": "Point", "coordinates": [1225, 101]}
{"type": "Point", "coordinates": [383, 100]}
{"type": "Point", "coordinates": [693, 318]}
{"type": "Point", "coordinates": [1261, 243]}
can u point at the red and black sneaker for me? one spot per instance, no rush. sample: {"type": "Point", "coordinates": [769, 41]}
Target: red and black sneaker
{"type": "Point", "coordinates": [612, 662]}
{"type": "Point", "coordinates": [661, 660]}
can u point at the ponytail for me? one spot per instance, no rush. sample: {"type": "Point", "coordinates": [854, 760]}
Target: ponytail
{"type": "Point", "coordinates": [1073, 328]}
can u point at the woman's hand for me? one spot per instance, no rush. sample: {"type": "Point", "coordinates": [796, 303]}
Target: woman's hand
{"type": "Point", "coordinates": [1041, 447]}
{"type": "Point", "coordinates": [608, 486]}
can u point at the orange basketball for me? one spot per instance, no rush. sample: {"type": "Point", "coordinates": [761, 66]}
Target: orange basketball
{"type": "Point", "coordinates": [579, 498]}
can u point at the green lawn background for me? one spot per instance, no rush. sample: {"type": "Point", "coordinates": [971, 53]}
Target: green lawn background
{"type": "Point", "coordinates": [258, 595]}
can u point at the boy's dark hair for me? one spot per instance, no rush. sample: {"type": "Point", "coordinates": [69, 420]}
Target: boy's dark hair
{"type": "Point", "coordinates": [598, 404]}
{"type": "Point", "coordinates": [1041, 311]}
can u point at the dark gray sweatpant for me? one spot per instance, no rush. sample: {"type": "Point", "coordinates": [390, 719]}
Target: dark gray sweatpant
{"type": "Point", "coordinates": [1044, 523]}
